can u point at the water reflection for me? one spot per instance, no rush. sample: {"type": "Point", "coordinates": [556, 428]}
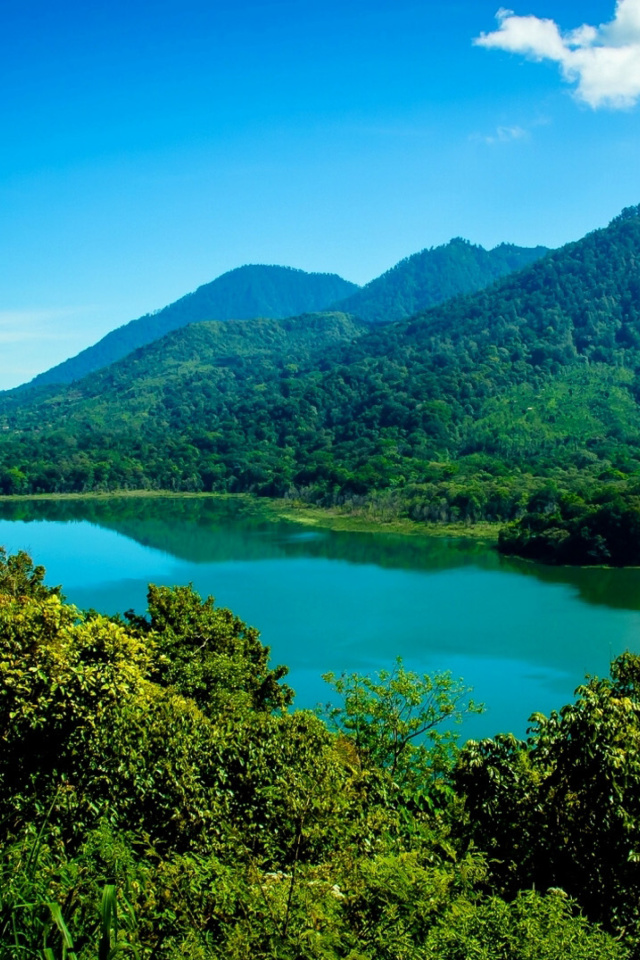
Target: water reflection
{"type": "Point", "coordinates": [212, 530]}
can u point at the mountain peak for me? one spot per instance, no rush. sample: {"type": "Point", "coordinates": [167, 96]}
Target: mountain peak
{"type": "Point", "coordinates": [629, 213]}
{"type": "Point", "coordinates": [252, 290]}
{"type": "Point", "coordinates": [435, 275]}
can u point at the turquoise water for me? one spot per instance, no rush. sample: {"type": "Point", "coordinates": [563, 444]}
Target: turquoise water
{"type": "Point", "coordinates": [521, 634]}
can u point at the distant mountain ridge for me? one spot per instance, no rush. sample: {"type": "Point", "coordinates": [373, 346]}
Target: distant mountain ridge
{"type": "Point", "coordinates": [254, 290]}
{"type": "Point", "coordinates": [271, 292]}
{"type": "Point", "coordinates": [435, 275]}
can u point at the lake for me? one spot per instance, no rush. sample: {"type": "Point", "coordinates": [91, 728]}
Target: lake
{"type": "Point", "coordinates": [521, 634]}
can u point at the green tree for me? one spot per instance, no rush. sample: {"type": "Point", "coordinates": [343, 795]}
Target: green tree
{"type": "Point", "coordinates": [401, 721]}
{"type": "Point", "coordinates": [563, 809]}
{"type": "Point", "coordinates": [20, 578]}
{"type": "Point", "coordinates": [208, 654]}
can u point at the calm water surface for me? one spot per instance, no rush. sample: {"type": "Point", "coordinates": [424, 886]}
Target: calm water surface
{"type": "Point", "coordinates": [521, 634]}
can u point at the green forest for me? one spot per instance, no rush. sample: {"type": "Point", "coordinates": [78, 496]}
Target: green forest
{"type": "Point", "coordinates": [160, 798]}
{"type": "Point", "coordinates": [501, 405]}
{"type": "Point", "coordinates": [160, 794]}
{"type": "Point", "coordinates": [433, 276]}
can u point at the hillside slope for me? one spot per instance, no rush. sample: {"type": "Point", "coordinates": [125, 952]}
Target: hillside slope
{"type": "Point", "coordinates": [416, 283]}
{"type": "Point", "coordinates": [241, 294]}
{"type": "Point", "coordinates": [536, 377]}
{"type": "Point", "coordinates": [202, 359]}
{"type": "Point", "coordinates": [435, 275]}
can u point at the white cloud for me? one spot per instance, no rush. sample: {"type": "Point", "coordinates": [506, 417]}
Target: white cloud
{"type": "Point", "coordinates": [603, 61]}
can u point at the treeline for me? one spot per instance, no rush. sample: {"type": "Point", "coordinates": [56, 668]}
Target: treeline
{"type": "Point", "coordinates": [568, 529]}
{"type": "Point", "coordinates": [160, 798]}
{"type": "Point", "coordinates": [589, 516]}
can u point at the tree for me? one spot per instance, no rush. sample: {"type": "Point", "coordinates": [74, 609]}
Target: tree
{"type": "Point", "coordinates": [401, 721]}
{"type": "Point", "coordinates": [20, 578]}
{"type": "Point", "coordinates": [208, 654]}
{"type": "Point", "coordinates": [563, 808]}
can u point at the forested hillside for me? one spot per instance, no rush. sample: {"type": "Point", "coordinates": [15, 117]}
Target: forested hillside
{"type": "Point", "coordinates": [435, 275]}
{"type": "Point", "coordinates": [208, 357]}
{"type": "Point", "coordinates": [160, 799]}
{"type": "Point", "coordinates": [250, 291]}
{"type": "Point", "coordinates": [468, 410]}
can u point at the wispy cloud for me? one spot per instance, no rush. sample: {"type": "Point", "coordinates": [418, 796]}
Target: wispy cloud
{"type": "Point", "coordinates": [32, 340]}
{"type": "Point", "coordinates": [37, 324]}
{"type": "Point", "coordinates": [502, 135]}
{"type": "Point", "coordinates": [603, 61]}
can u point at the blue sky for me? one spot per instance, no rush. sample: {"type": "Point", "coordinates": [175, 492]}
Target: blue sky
{"type": "Point", "coordinates": [149, 147]}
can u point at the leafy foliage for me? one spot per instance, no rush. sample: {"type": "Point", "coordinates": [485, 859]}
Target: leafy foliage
{"type": "Point", "coordinates": [158, 805]}
{"type": "Point", "coordinates": [562, 809]}
{"type": "Point", "coordinates": [605, 530]}
{"type": "Point", "coordinates": [530, 927]}
{"type": "Point", "coordinates": [20, 578]}
{"type": "Point", "coordinates": [395, 720]}
{"type": "Point", "coordinates": [208, 654]}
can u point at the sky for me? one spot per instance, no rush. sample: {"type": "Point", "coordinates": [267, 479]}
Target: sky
{"type": "Point", "coordinates": [148, 147]}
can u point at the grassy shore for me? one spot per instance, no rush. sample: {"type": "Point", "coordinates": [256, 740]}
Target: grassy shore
{"type": "Point", "coordinates": [336, 519]}
{"type": "Point", "coordinates": [365, 521]}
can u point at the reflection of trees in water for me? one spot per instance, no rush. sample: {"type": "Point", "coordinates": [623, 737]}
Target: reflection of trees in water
{"type": "Point", "coordinates": [216, 530]}
{"type": "Point", "coordinates": [617, 587]}
{"type": "Point", "coordinates": [208, 531]}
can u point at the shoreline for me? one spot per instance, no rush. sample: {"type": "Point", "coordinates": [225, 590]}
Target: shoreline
{"type": "Point", "coordinates": [333, 519]}
{"type": "Point", "coordinates": [329, 518]}
{"type": "Point", "coordinates": [323, 518]}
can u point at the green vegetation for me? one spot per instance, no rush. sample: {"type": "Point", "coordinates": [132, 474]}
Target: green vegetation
{"type": "Point", "coordinates": [435, 275]}
{"type": "Point", "coordinates": [275, 293]}
{"type": "Point", "coordinates": [395, 722]}
{"type": "Point", "coordinates": [241, 294]}
{"type": "Point", "coordinates": [562, 808]}
{"type": "Point", "coordinates": [566, 529]}
{"type": "Point", "coordinates": [159, 799]}
{"type": "Point", "coordinates": [472, 411]}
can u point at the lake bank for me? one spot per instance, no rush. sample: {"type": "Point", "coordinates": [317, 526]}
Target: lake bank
{"type": "Point", "coordinates": [295, 511]}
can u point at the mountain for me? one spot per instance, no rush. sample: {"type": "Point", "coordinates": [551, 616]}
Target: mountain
{"type": "Point", "coordinates": [470, 409]}
{"type": "Point", "coordinates": [241, 294]}
{"type": "Point", "coordinates": [414, 284]}
{"type": "Point", "coordinates": [274, 292]}
{"type": "Point", "coordinates": [435, 275]}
